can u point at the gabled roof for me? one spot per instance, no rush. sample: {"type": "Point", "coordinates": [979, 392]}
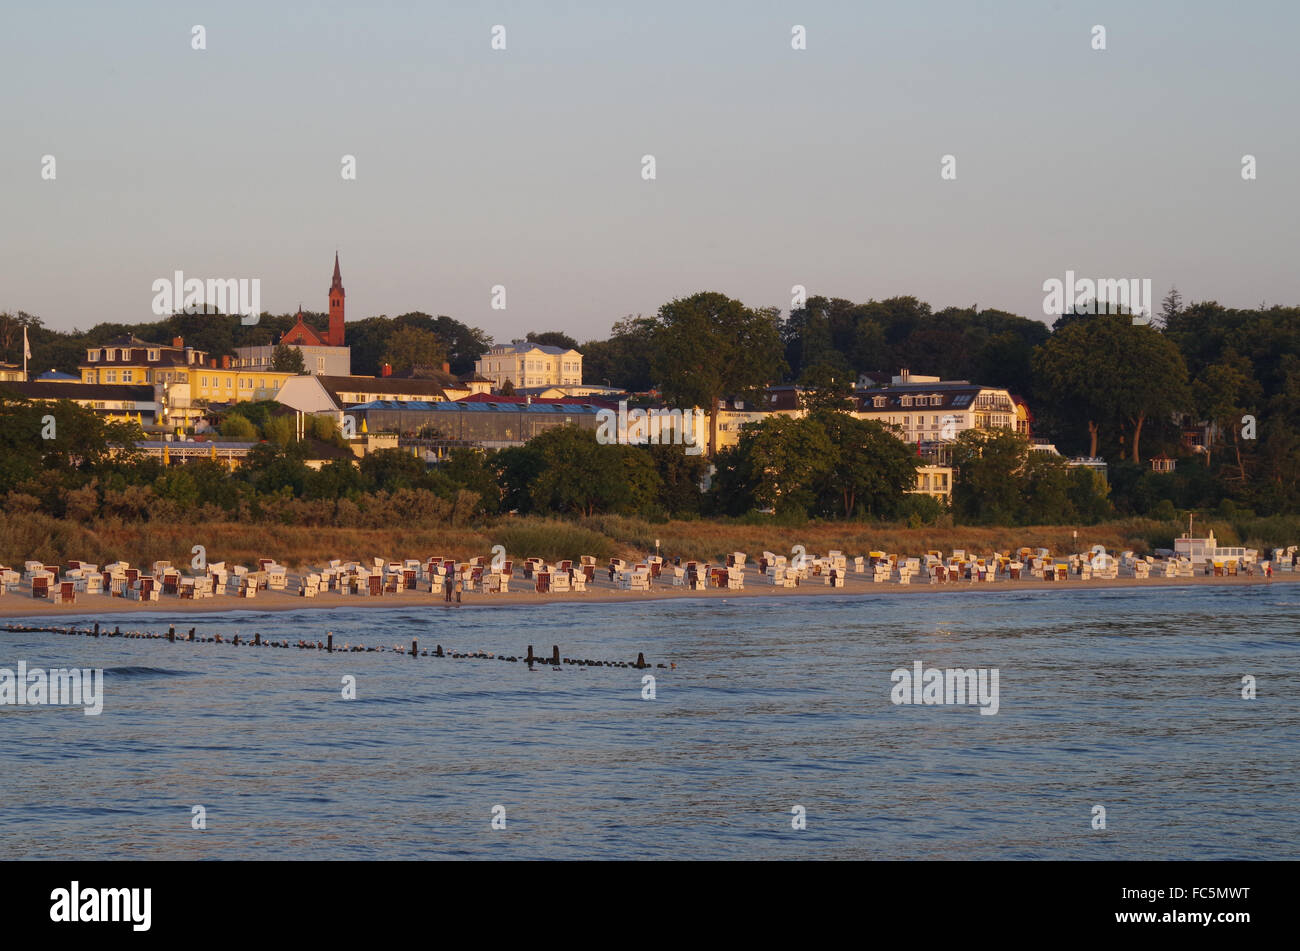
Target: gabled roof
{"type": "Point", "coordinates": [126, 340]}
{"type": "Point", "coordinates": [525, 346]}
{"type": "Point", "coordinates": [334, 385]}
{"type": "Point", "coordinates": [436, 374]}
{"type": "Point", "coordinates": [302, 334]}
{"type": "Point", "coordinates": [168, 356]}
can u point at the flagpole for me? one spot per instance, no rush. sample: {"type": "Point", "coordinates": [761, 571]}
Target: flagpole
{"type": "Point", "coordinates": [26, 351]}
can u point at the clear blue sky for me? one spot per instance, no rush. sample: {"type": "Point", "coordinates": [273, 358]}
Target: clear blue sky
{"type": "Point", "coordinates": [522, 168]}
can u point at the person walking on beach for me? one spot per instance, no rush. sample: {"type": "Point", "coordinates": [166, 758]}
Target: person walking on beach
{"type": "Point", "coordinates": [446, 592]}
{"type": "Point", "coordinates": [459, 586]}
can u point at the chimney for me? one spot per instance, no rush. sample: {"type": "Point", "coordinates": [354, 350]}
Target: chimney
{"type": "Point", "coordinates": [225, 362]}
{"type": "Point", "coordinates": [212, 363]}
{"type": "Point", "coordinates": [904, 374]}
{"type": "Point", "coordinates": [178, 342]}
{"type": "Point", "coordinates": [446, 367]}
{"type": "Point", "coordinates": [386, 370]}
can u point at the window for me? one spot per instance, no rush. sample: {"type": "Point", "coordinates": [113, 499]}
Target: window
{"type": "Point", "coordinates": [112, 376]}
{"type": "Point", "coordinates": [205, 382]}
{"type": "Point", "coordinates": [906, 401]}
{"type": "Point", "coordinates": [126, 376]}
{"type": "Point", "coordinates": [92, 356]}
{"type": "Point", "coordinates": [261, 383]}
{"type": "Point", "coordinates": [153, 356]}
{"type": "Point", "coordinates": [878, 402]}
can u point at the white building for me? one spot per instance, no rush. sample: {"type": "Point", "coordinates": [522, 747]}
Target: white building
{"type": "Point", "coordinates": [926, 408]}
{"type": "Point", "coordinates": [527, 364]}
{"type": "Point", "coordinates": [318, 361]}
{"type": "Point", "coordinates": [1200, 550]}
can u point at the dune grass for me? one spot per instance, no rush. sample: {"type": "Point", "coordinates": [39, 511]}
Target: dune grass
{"type": "Point", "coordinates": [26, 536]}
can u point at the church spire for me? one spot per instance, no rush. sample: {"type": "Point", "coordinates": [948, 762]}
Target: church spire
{"type": "Point", "coordinates": [335, 336]}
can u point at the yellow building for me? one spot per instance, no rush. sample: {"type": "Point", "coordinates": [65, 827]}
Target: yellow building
{"type": "Point", "coordinates": [227, 384]}
{"type": "Point", "coordinates": [129, 360]}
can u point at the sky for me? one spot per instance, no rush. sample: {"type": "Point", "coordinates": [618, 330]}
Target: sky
{"type": "Point", "coordinates": [523, 167]}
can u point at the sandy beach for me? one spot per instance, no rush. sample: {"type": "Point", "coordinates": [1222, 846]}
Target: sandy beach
{"type": "Point", "coordinates": [20, 604]}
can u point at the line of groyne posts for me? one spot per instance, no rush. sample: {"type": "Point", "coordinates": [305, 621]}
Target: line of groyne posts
{"type": "Point", "coordinates": [555, 660]}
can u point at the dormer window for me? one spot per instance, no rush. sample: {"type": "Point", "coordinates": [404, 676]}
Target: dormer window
{"type": "Point", "coordinates": [878, 402]}
{"type": "Point", "coordinates": [92, 356]}
{"type": "Point", "coordinates": [153, 356]}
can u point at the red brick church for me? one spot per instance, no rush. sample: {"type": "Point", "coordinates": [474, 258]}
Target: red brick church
{"type": "Point", "coordinates": [302, 335]}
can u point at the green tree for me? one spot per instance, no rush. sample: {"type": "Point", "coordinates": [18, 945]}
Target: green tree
{"type": "Point", "coordinates": [1046, 490]}
{"type": "Point", "coordinates": [991, 486]}
{"type": "Point", "coordinates": [623, 360]}
{"type": "Point", "coordinates": [391, 469]}
{"type": "Point", "coordinates": [826, 386]}
{"type": "Point", "coordinates": [337, 479]}
{"type": "Point", "coordinates": [1088, 493]}
{"type": "Point", "coordinates": [469, 469]}
{"type": "Point", "coordinates": [279, 430]}
{"type": "Point", "coordinates": [516, 469]}
{"type": "Point", "coordinates": [552, 338]}
{"type": "Point", "coordinates": [578, 474]}
{"type": "Point", "coordinates": [869, 467]}
{"type": "Point", "coordinates": [238, 427]}
{"type": "Point", "coordinates": [1105, 370]}
{"type": "Point", "coordinates": [285, 359]}
{"type": "Point", "coordinates": [708, 346]}
{"type": "Point", "coordinates": [1224, 393]}
{"type": "Point", "coordinates": [641, 477]}
{"type": "Point", "coordinates": [680, 476]}
{"type": "Point", "coordinates": [410, 347]}
{"type": "Point", "coordinates": [786, 460]}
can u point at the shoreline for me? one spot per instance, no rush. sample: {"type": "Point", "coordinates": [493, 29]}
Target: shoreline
{"type": "Point", "coordinates": [22, 606]}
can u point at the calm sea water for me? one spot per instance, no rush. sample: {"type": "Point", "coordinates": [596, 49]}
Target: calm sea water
{"type": "Point", "coordinates": [1130, 699]}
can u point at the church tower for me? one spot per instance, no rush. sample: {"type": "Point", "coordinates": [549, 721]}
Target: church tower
{"type": "Point", "coordinates": [335, 338]}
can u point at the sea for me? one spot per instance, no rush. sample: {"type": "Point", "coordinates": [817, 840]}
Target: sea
{"type": "Point", "coordinates": [1130, 724]}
